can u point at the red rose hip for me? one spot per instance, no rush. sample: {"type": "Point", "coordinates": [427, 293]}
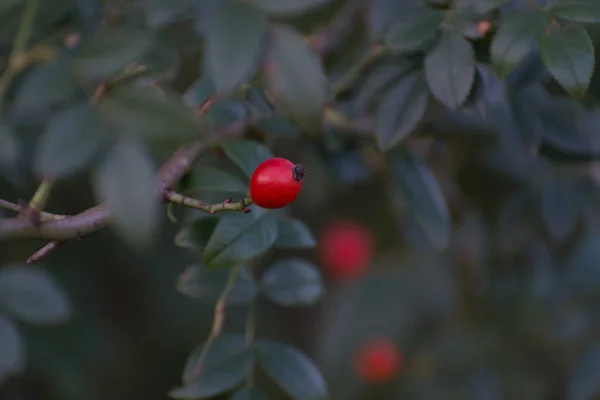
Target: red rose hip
{"type": "Point", "coordinates": [377, 361]}
{"type": "Point", "coordinates": [346, 249]}
{"type": "Point", "coordinates": [276, 182]}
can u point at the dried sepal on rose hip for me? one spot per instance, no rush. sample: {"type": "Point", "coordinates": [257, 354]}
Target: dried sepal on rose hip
{"type": "Point", "coordinates": [276, 182]}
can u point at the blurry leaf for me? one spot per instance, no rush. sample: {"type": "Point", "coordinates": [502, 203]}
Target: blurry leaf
{"type": "Point", "coordinates": [199, 93]}
{"type": "Point", "coordinates": [279, 126]}
{"type": "Point", "coordinates": [201, 283]}
{"type": "Point", "coordinates": [159, 12]}
{"type": "Point", "coordinates": [516, 222]}
{"type": "Point", "coordinates": [293, 282]}
{"type": "Point", "coordinates": [295, 79]}
{"type": "Point", "coordinates": [110, 50]}
{"type": "Point", "coordinates": [292, 370]}
{"type": "Point", "coordinates": [569, 56]}
{"type": "Point", "coordinates": [586, 11]}
{"type": "Point", "coordinates": [281, 8]}
{"type": "Point", "coordinates": [583, 271]}
{"type": "Point", "coordinates": [480, 6]}
{"type": "Point", "coordinates": [195, 234]}
{"type": "Point", "coordinates": [249, 394]}
{"type": "Point", "coordinates": [517, 35]}
{"type": "Point", "coordinates": [125, 182]}
{"type": "Point", "coordinates": [294, 234]}
{"type": "Point", "coordinates": [246, 154]}
{"type": "Point", "coordinates": [205, 10]}
{"type": "Point", "coordinates": [425, 200]}
{"type": "Point", "coordinates": [402, 109]}
{"type": "Point", "coordinates": [226, 364]}
{"type": "Point", "coordinates": [9, 148]}
{"type": "Point", "coordinates": [224, 112]}
{"type": "Point", "coordinates": [150, 113]}
{"type": "Point", "coordinates": [450, 69]}
{"type": "Point", "coordinates": [382, 13]}
{"type": "Point", "coordinates": [70, 142]}
{"type": "Point", "coordinates": [414, 29]}
{"type": "Point", "coordinates": [558, 210]}
{"type": "Point", "coordinates": [45, 86]}
{"type": "Point", "coordinates": [377, 82]}
{"type": "Point", "coordinates": [231, 65]}
{"type": "Point", "coordinates": [211, 179]}
{"type": "Point", "coordinates": [584, 382]}
{"type": "Point", "coordinates": [31, 295]}
{"type": "Point", "coordinates": [239, 237]}
{"type": "Point", "coordinates": [12, 349]}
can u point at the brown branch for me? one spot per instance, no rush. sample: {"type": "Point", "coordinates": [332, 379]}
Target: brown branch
{"type": "Point", "coordinates": [226, 205]}
{"type": "Point", "coordinates": [44, 251]}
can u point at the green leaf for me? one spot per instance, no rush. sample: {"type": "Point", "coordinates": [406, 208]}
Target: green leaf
{"type": "Point", "coordinates": [227, 362]}
{"type": "Point", "coordinates": [150, 113]}
{"type": "Point", "coordinates": [295, 80]}
{"type": "Point", "coordinates": [47, 85]}
{"type": "Point", "coordinates": [278, 126]}
{"type": "Point", "coordinates": [480, 6]}
{"type": "Point", "coordinates": [424, 198]}
{"type": "Point", "coordinates": [584, 380]}
{"type": "Point", "coordinates": [125, 182]}
{"type": "Point", "coordinates": [199, 93]}
{"type": "Point", "coordinates": [9, 148]}
{"type": "Point", "coordinates": [208, 284]}
{"type": "Point", "coordinates": [558, 210]}
{"type": "Point", "coordinates": [70, 142]}
{"type": "Point", "coordinates": [109, 51]}
{"type": "Point", "coordinates": [401, 110]}
{"type": "Point", "coordinates": [516, 37]}
{"type": "Point", "coordinates": [414, 29]}
{"type": "Point", "coordinates": [246, 154]}
{"type": "Point", "coordinates": [585, 11]}
{"type": "Point", "coordinates": [240, 23]}
{"type": "Point", "coordinates": [569, 56]}
{"type": "Point", "coordinates": [159, 12]}
{"type": "Point", "coordinates": [450, 69]}
{"type": "Point", "coordinates": [293, 282]}
{"type": "Point", "coordinates": [195, 234]}
{"type": "Point", "coordinates": [13, 350]}
{"type": "Point", "coordinates": [249, 394]}
{"type": "Point", "coordinates": [30, 294]}
{"type": "Point", "coordinates": [239, 237]}
{"type": "Point", "coordinates": [282, 8]}
{"type": "Point", "coordinates": [376, 84]}
{"type": "Point", "coordinates": [211, 179]}
{"type": "Point", "coordinates": [292, 370]}
{"type": "Point", "coordinates": [294, 234]}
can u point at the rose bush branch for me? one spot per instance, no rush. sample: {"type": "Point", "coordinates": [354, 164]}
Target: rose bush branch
{"type": "Point", "coordinates": [227, 205]}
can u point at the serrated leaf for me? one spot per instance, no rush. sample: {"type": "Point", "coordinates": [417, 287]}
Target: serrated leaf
{"type": "Point", "coordinates": [201, 283]}
{"type": "Point", "coordinates": [210, 179]}
{"type": "Point", "coordinates": [292, 370]}
{"type": "Point", "coordinates": [293, 282]}
{"type": "Point", "coordinates": [246, 154]}
{"type": "Point", "coordinates": [9, 148]}
{"type": "Point", "coordinates": [109, 51]}
{"type": "Point", "coordinates": [414, 29]}
{"type": "Point", "coordinates": [12, 349]}
{"type": "Point", "coordinates": [584, 380]}
{"type": "Point", "coordinates": [516, 37]}
{"type": "Point", "coordinates": [240, 23]}
{"type": "Point", "coordinates": [31, 295]}
{"type": "Point", "coordinates": [585, 11]}
{"type": "Point", "coordinates": [401, 110]}
{"type": "Point", "coordinates": [569, 56]}
{"type": "Point", "coordinates": [47, 85]}
{"type": "Point", "coordinates": [239, 237]}
{"type": "Point", "coordinates": [558, 210]}
{"type": "Point", "coordinates": [282, 8]}
{"type": "Point", "coordinates": [149, 114]}
{"type": "Point", "coordinates": [125, 182]}
{"type": "Point", "coordinates": [295, 80]}
{"type": "Point", "coordinates": [249, 394]}
{"type": "Point", "coordinates": [227, 362]}
{"type": "Point", "coordinates": [450, 69]}
{"type": "Point", "coordinates": [292, 233]}
{"type": "Point", "coordinates": [425, 200]}
{"type": "Point", "coordinates": [70, 142]}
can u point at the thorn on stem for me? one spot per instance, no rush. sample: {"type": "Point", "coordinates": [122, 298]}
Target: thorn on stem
{"type": "Point", "coordinates": [227, 200]}
{"type": "Point", "coordinates": [246, 210]}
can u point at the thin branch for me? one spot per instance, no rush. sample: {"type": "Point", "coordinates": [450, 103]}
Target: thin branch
{"type": "Point", "coordinates": [226, 205]}
{"type": "Point", "coordinates": [44, 216]}
{"type": "Point", "coordinates": [219, 317]}
{"type": "Point", "coordinates": [44, 251]}
{"type": "Point", "coordinates": [40, 198]}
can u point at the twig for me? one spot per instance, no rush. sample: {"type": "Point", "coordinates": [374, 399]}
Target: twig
{"type": "Point", "coordinates": [40, 198]}
{"type": "Point", "coordinates": [227, 205]}
{"type": "Point", "coordinates": [218, 319]}
{"type": "Point", "coordinates": [44, 251]}
{"type": "Point", "coordinates": [44, 216]}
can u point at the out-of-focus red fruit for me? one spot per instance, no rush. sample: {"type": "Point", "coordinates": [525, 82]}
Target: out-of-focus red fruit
{"type": "Point", "coordinates": [377, 361]}
{"type": "Point", "coordinates": [346, 249]}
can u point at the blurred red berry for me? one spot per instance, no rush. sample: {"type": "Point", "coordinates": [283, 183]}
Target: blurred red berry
{"type": "Point", "coordinates": [377, 361]}
{"type": "Point", "coordinates": [346, 249]}
{"type": "Point", "coordinates": [276, 182]}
